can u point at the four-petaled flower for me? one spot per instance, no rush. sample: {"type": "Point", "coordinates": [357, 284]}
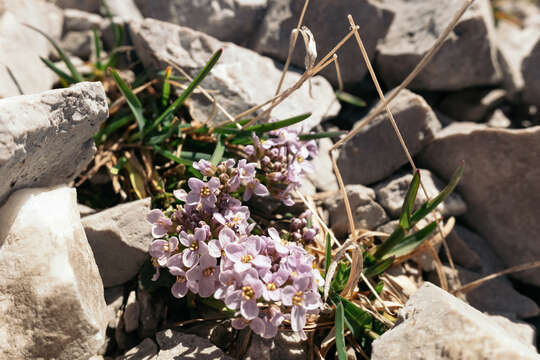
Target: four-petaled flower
{"type": "Point", "coordinates": [163, 249]}
{"type": "Point", "coordinates": [301, 297]}
{"type": "Point", "coordinates": [195, 245]}
{"type": "Point", "coordinates": [203, 193]}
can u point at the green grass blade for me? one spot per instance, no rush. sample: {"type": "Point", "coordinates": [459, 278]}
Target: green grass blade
{"type": "Point", "coordinates": [195, 156]}
{"type": "Point", "coordinates": [119, 165]}
{"type": "Point", "coordinates": [67, 78]}
{"type": "Point", "coordinates": [196, 81]}
{"type": "Point", "coordinates": [166, 90]}
{"type": "Point", "coordinates": [263, 128]}
{"type": "Point", "coordinates": [218, 152]}
{"type": "Point", "coordinates": [350, 99]}
{"type": "Point", "coordinates": [74, 73]}
{"type": "Point", "coordinates": [328, 254]}
{"type": "Point", "coordinates": [97, 46]}
{"type": "Point", "coordinates": [429, 206]}
{"type": "Point", "coordinates": [356, 319]}
{"type": "Point", "coordinates": [378, 267]}
{"type": "Point", "coordinates": [169, 155]}
{"type": "Point", "coordinates": [132, 100]}
{"type": "Point", "coordinates": [112, 127]}
{"type": "Point", "coordinates": [321, 135]}
{"type": "Point", "coordinates": [408, 202]}
{"type": "Point", "coordinates": [158, 139]}
{"type": "Point", "coordinates": [411, 242]}
{"type": "Point", "coordinates": [389, 243]}
{"type": "Point", "coordinates": [340, 332]}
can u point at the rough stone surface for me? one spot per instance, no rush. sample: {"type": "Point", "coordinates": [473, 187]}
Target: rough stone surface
{"type": "Point", "coordinates": [78, 20]}
{"type": "Point", "coordinates": [131, 313]}
{"type": "Point", "coordinates": [146, 350]}
{"type": "Point", "coordinates": [46, 139]}
{"type": "Point", "coordinates": [51, 294]}
{"type": "Point", "coordinates": [375, 152]}
{"type": "Point", "coordinates": [323, 177]}
{"type": "Point", "coordinates": [126, 9]}
{"type": "Point", "coordinates": [366, 212]}
{"type": "Point", "coordinates": [521, 330]}
{"type": "Point", "coordinates": [500, 186]}
{"type": "Point", "coordinates": [241, 78]}
{"type": "Point", "coordinates": [114, 298]}
{"type": "Point", "coordinates": [327, 19]}
{"type": "Point", "coordinates": [467, 57]}
{"type": "Point", "coordinates": [285, 346]}
{"type": "Point", "coordinates": [530, 70]}
{"type": "Point", "coordinates": [85, 5]}
{"type": "Point", "coordinates": [180, 346]}
{"type": "Point", "coordinates": [152, 312]}
{"type": "Point", "coordinates": [79, 43]}
{"type": "Point", "coordinates": [21, 47]}
{"type": "Point", "coordinates": [472, 105]}
{"type": "Point", "coordinates": [227, 20]}
{"type": "Point", "coordinates": [391, 193]}
{"type": "Point", "coordinates": [499, 120]}
{"type": "Point", "coordinates": [122, 229]}
{"type": "Point", "coordinates": [435, 325]}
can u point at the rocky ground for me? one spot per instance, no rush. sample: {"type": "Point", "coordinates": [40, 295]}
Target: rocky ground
{"type": "Point", "coordinates": [70, 284]}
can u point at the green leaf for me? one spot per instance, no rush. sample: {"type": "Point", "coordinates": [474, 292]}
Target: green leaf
{"type": "Point", "coordinates": [112, 127]}
{"type": "Point", "coordinates": [341, 277]}
{"type": "Point", "coordinates": [166, 91]}
{"type": "Point", "coordinates": [389, 243]}
{"type": "Point", "coordinates": [408, 202]}
{"type": "Point", "coordinates": [350, 98]}
{"type": "Point", "coordinates": [429, 206]}
{"type": "Point", "coordinates": [263, 128]}
{"type": "Point", "coordinates": [356, 319]}
{"type": "Point", "coordinates": [74, 73]}
{"type": "Point", "coordinates": [132, 100]}
{"type": "Point", "coordinates": [218, 152]}
{"type": "Point", "coordinates": [378, 267]}
{"type": "Point", "coordinates": [411, 242]}
{"type": "Point", "coordinates": [340, 332]}
{"type": "Point", "coordinates": [169, 155]}
{"type": "Point", "coordinates": [67, 78]}
{"type": "Point", "coordinates": [119, 165]}
{"type": "Point", "coordinates": [195, 156]}
{"type": "Point", "coordinates": [97, 46]}
{"type": "Point", "coordinates": [196, 81]}
{"type": "Point", "coordinates": [157, 139]}
{"type": "Point", "coordinates": [327, 134]}
{"type": "Point", "coordinates": [328, 254]}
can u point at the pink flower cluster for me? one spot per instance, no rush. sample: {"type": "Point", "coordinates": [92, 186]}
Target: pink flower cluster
{"type": "Point", "coordinates": [284, 159]}
{"type": "Point", "coordinates": [208, 245]}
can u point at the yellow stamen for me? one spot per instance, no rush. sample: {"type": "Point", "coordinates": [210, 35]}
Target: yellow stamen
{"type": "Point", "coordinates": [194, 246]}
{"type": "Point", "coordinates": [205, 191]}
{"type": "Point", "coordinates": [247, 292]}
{"type": "Point", "coordinates": [208, 271]}
{"type": "Point", "coordinates": [246, 258]}
{"type": "Point", "coordinates": [298, 299]}
{"type": "Point", "coordinates": [271, 286]}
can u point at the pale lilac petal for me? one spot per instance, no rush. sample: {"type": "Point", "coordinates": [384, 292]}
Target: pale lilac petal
{"type": "Point", "coordinates": [200, 234]}
{"type": "Point", "coordinates": [193, 197]}
{"type": "Point", "coordinates": [156, 248]}
{"type": "Point", "coordinates": [275, 295]}
{"type": "Point", "coordinates": [260, 190]}
{"type": "Point", "coordinates": [226, 236]}
{"type": "Point", "coordinates": [312, 300]}
{"type": "Point", "coordinates": [179, 289]}
{"type": "Point", "coordinates": [207, 286]}
{"type": "Point", "coordinates": [219, 218]}
{"type": "Point", "coordinates": [154, 215]}
{"type": "Point", "coordinates": [194, 274]}
{"type": "Point", "coordinates": [195, 184]}
{"type": "Point", "coordinates": [302, 282]}
{"type": "Point", "coordinates": [193, 286]}
{"type": "Point", "coordinates": [298, 318]}
{"type": "Point", "coordinates": [214, 248]}
{"type": "Point", "coordinates": [287, 294]}
{"type": "Point", "coordinates": [241, 267]}
{"type": "Point", "coordinates": [158, 231]}
{"type": "Point", "coordinates": [207, 261]}
{"type": "Point", "coordinates": [185, 239]}
{"type": "Point", "coordinates": [233, 300]}
{"type": "Point", "coordinates": [249, 309]}
{"type": "Point", "coordinates": [190, 258]}
{"type": "Point", "coordinates": [180, 194]}
{"type": "Point", "coordinates": [239, 323]}
{"type": "Point", "coordinates": [274, 235]}
{"type": "Point", "coordinates": [173, 243]}
{"type": "Point", "coordinates": [262, 261]}
{"type": "Point", "coordinates": [203, 248]}
{"type": "Point", "coordinates": [234, 252]}
{"type": "Point", "coordinates": [213, 183]}
{"type": "Point", "coordinates": [258, 326]}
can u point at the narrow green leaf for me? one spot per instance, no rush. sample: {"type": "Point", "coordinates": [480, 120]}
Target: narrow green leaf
{"type": "Point", "coordinates": [429, 206]}
{"type": "Point", "coordinates": [158, 139]}
{"type": "Point", "coordinates": [169, 155]}
{"type": "Point", "coordinates": [350, 98]}
{"type": "Point", "coordinates": [112, 127]}
{"type": "Point", "coordinates": [97, 46]}
{"type": "Point", "coordinates": [119, 165]}
{"type": "Point", "coordinates": [341, 276]}
{"type": "Point", "coordinates": [356, 319]}
{"type": "Point", "coordinates": [195, 156]}
{"type": "Point", "coordinates": [74, 73]}
{"type": "Point", "coordinates": [389, 243]}
{"type": "Point", "coordinates": [196, 81]}
{"type": "Point", "coordinates": [327, 134]}
{"type": "Point", "coordinates": [132, 100]}
{"type": "Point", "coordinates": [340, 332]}
{"type": "Point", "coordinates": [263, 128]}
{"type": "Point", "coordinates": [378, 267]}
{"type": "Point", "coordinates": [408, 202]}
{"type": "Point", "coordinates": [328, 254]}
{"type": "Point", "coordinates": [219, 151]}
{"type": "Point", "coordinates": [67, 78]}
{"type": "Point", "coordinates": [411, 242]}
{"type": "Point", "coordinates": [166, 91]}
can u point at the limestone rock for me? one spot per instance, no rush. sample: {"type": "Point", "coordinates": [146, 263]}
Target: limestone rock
{"type": "Point", "coordinates": [366, 212]}
{"type": "Point", "coordinates": [180, 346]}
{"type": "Point", "coordinates": [499, 120]}
{"type": "Point", "coordinates": [241, 78]}
{"type": "Point", "coordinates": [530, 70]}
{"type": "Point", "coordinates": [84, 5]}
{"type": "Point", "coordinates": [146, 350]}
{"type": "Point", "coordinates": [435, 325]}
{"type": "Point", "coordinates": [152, 312]}
{"type": "Point", "coordinates": [472, 105]}
{"type": "Point", "coordinates": [227, 20]}
{"type": "Point", "coordinates": [78, 20]}
{"type": "Point", "coordinates": [391, 193]}
{"type": "Point", "coordinates": [21, 70]}
{"type": "Point", "coordinates": [375, 152]}
{"type": "Point", "coordinates": [327, 20]}
{"type": "Point", "coordinates": [323, 177]}
{"type": "Point", "coordinates": [286, 345]}
{"type": "Point", "coordinates": [46, 139]}
{"type": "Point", "coordinates": [50, 291]}
{"type": "Point", "coordinates": [79, 43]}
{"type": "Point", "coordinates": [131, 313]}
{"type": "Point", "coordinates": [120, 238]}
{"type": "Point", "coordinates": [467, 57]}
{"type": "Point", "coordinates": [500, 186]}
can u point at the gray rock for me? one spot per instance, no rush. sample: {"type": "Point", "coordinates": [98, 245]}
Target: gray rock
{"type": "Point", "coordinates": [530, 70]}
{"type": "Point", "coordinates": [462, 253]}
{"type": "Point", "coordinates": [323, 177]}
{"type": "Point", "coordinates": [436, 325]}
{"type": "Point", "coordinates": [236, 77]}
{"type": "Point", "coordinates": [286, 345]}
{"type": "Point", "coordinates": [78, 43]}
{"type": "Point", "coordinates": [85, 5]}
{"type": "Point", "coordinates": [146, 350]}
{"type": "Point", "coordinates": [366, 212]}
{"type": "Point", "coordinates": [499, 120]}
{"type": "Point", "coordinates": [467, 58]}
{"type": "Point", "coordinates": [180, 346]}
{"type": "Point", "coordinates": [131, 313]}
{"type": "Point", "coordinates": [500, 186]}
{"type": "Point", "coordinates": [375, 152]}
{"type": "Point", "coordinates": [391, 193]}
{"type": "Point", "coordinates": [152, 312]}
{"type": "Point", "coordinates": [521, 330]}
{"type": "Point", "coordinates": [327, 19]}
{"type": "Point", "coordinates": [46, 139]}
{"type": "Point", "coordinates": [21, 70]}
{"type": "Point", "coordinates": [85, 210]}
{"type": "Point", "coordinates": [472, 105]}
{"type": "Point", "coordinates": [51, 293]}
{"type": "Point", "coordinates": [125, 9]}
{"type": "Point", "coordinates": [78, 20]}
{"type": "Point", "coordinates": [120, 238]}
{"type": "Point", "coordinates": [227, 20]}
{"type": "Point", "coordinates": [114, 298]}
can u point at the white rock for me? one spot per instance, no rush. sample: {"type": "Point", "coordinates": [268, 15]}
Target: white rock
{"type": "Point", "coordinates": [78, 43]}
{"type": "Point", "coordinates": [180, 346]}
{"type": "Point", "coordinates": [467, 57]}
{"type": "Point", "coordinates": [146, 350]}
{"type": "Point", "coordinates": [51, 295]}
{"type": "Point", "coordinates": [499, 120]}
{"type": "Point", "coordinates": [241, 78]}
{"type": "Point", "coordinates": [286, 345]}
{"type": "Point", "coordinates": [323, 177]}
{"type": "Point", "coordinates": [46, 139]}
{"type": "Point", "coordinates": [85, 5]}
{"type": "Point", "coordinates": [78, 20]}
{"type": "Point", "coordinates": [435, 325]}
{"type": "Point", "coordinates": [120, 238]}
{"type": "Point", "coordinates": [131, 313]}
